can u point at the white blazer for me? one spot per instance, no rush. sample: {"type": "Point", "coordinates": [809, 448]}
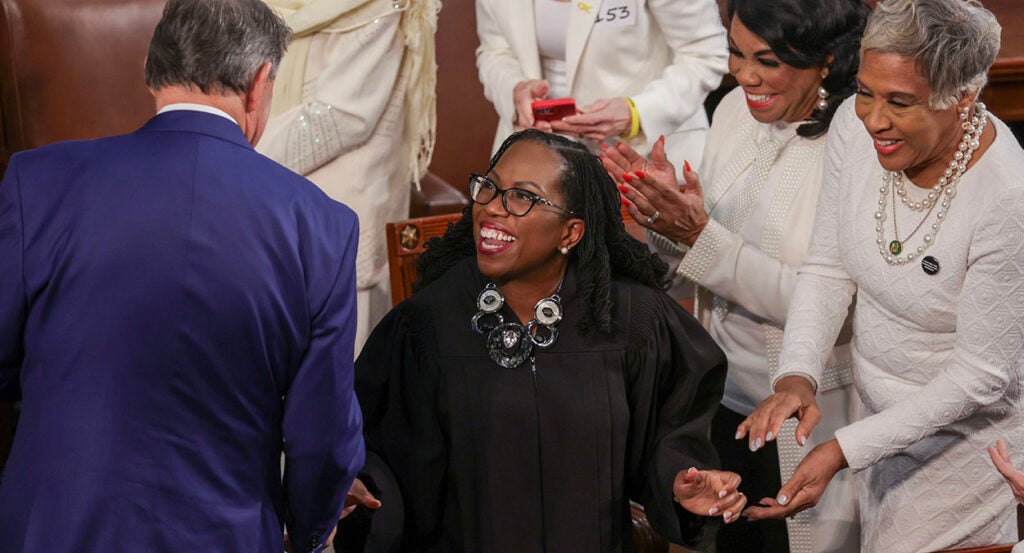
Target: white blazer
{"type": "Point", "coordinates": [664, 54]}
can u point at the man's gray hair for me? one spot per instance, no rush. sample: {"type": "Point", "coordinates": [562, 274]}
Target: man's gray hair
{"type": "Point", "coordinates": [953, 42]}
{"type": "Point", "coordinates": [214, 45]}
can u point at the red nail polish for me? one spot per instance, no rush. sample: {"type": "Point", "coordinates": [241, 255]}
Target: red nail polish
{"type": "Point", "coordinates": [623, 189]}
{"type": "Point", "coordinates": [686, 166]}
{"type": "Point", "coordinates": [640, 174]}
{"type": "Point", "coordinates": [625, 202]}
{"type": "Point", "coordinates": [627, 177]}
{"type": "Point", "coordinates": [661, 138]}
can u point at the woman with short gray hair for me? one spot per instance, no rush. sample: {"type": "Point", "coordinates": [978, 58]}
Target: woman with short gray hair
{"type": "Point", "coordinates": [921, 219]}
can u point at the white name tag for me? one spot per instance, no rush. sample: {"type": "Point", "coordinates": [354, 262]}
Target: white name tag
{"type": "Point", "coordinates": [616, 13]}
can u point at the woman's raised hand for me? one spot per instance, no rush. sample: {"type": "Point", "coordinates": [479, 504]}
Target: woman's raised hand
{"type": "Point", "coordinates": [794, 396]}
{"type": "Point", "coordinates": [709, 493]}
{"type": "Point", "coordinates": [653, 195]}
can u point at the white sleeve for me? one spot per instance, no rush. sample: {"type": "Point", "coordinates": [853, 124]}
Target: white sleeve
{"type": "Point", "coordinates": [496, 63]}
{"type": "Point", "coordinates": [721, 261]}
{"type": "Point", "coordinates": [988, 353]}
{"type": "Point", "coordinates": [349, 78]}
{"type": "Point", "coordinates": [821, 298]}
{"type": "Point", "coordinates": [693, 29]}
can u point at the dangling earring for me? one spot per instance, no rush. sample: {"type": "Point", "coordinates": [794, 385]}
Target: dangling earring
{"type": "Point", "coordinates": [564, 250]}
{"type": "Point", "coordinates": [823, 98]}
{"type": "Point", "coordinates": [823, 94]}
{"type": "Point", "coordinates": [964, 113]}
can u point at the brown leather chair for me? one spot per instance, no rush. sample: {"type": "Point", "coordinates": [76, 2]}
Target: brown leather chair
{"type": "Point", "coordinates": [72, 69]}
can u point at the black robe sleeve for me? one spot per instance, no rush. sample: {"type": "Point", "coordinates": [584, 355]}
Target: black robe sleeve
{"type": "Point", "coordinates": [397, 386]}
{"type": "Point", "coordinates": [679, 376]}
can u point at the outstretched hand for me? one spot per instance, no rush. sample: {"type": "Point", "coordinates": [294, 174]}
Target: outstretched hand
{"type": "Point", "coordinates": [709, 493]}
{"type": "Point", "coordinates": [359, 495]}
{"type": "Point", "coordinates": [1014, 477]}
{"type": "Point", "coordinates": [807, 485]}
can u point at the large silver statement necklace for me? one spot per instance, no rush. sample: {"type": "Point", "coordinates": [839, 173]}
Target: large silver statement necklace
{"type": "Point", "coordinates": [941, 195]}
{"type": "Point", "coordinates": [510, 344]}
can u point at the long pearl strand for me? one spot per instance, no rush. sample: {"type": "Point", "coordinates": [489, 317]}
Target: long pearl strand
{"type": "Point", "coordinates": [942, 193]}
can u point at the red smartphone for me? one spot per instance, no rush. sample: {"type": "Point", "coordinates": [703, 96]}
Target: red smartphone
{"type": "Point", "coordinates": [554, 109]}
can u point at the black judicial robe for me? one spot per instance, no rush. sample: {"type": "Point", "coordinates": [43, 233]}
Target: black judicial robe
{"type": "Point", "coordinates": [488, 459]}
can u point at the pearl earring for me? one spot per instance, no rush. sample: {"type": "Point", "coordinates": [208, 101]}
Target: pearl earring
{"type": "Point", "coordinates": [564, 250]}
{"type": "Point", "coordinates": [823, 98]}
{"type": "Point", "coordinates": [965, 112]}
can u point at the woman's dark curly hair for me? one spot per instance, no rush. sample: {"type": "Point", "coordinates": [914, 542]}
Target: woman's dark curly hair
{"type": "Point", "coordinates": [605, 250]}
{"type": "Point", "coordinates": [802, 33]}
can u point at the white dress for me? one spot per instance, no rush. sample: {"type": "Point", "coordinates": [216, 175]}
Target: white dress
{"type": "Point", "coordinates": [754, 269]}
{"type": "Point", "coordinates": [349, 142]}
{"type": "Point", "coordinates": [937, 358]}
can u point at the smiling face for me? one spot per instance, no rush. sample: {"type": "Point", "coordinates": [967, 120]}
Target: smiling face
{"type": "Point", "coordinates": [775, 91]}
{"type": "Point", "coordinates": [892, 102]}
{"type": "Point", "coordinates": [525, 249]}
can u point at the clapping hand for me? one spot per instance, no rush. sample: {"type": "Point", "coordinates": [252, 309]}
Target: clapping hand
{"type": "Point", "coordinates": [710, 493]}
{"type": "Point", "coordinates": [1001, 458]}
{"type": "Point", "coordinates": [653, 195]}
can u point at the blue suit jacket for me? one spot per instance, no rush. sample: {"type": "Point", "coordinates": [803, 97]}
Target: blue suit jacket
{"type": "Point", "coordinates": [175, 309]}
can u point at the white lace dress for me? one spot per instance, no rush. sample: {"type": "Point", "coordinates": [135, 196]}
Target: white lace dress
{"type": "Point", "coordinates": [937, 358]}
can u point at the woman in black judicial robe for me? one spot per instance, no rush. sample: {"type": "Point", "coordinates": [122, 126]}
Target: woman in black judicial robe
{"type": "Point", "coordinates": [539, 379]}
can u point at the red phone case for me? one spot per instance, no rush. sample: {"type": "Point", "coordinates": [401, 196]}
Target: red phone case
{"type": "Point", "coordinates": [554, 109]}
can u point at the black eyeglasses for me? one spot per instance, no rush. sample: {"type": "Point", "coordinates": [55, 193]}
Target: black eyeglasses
{"type": "Point", "coordinates": [516, 201]}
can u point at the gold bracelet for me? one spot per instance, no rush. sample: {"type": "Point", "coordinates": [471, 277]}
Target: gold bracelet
{"type": "Point", "coordinates": [634, 122]}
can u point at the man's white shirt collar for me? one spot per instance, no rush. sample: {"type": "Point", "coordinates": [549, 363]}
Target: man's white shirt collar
{"type": "Point", "coordinates": [196, 107]}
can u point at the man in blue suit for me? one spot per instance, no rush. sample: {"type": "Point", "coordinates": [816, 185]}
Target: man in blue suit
{"type": "Point", "coordinates": [175, 311]}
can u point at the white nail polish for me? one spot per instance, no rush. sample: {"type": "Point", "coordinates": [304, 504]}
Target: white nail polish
{"type": "Point", "coordinates": [727, 515]}
{"type": "Point", "coordinates": [769, 437]}
{"type": "Point", "coordinates": [739, 434]}
{"type": "Point", "coordinates": [758, 443]}
{"type": "Point", "coordinates": [721, 494]}
{"type": "Point", "coordinates": [712, 511]}
{"type": "Point", "coordinates": [783, 500]}
{"type": "Point", "coordinates": [803, 440]}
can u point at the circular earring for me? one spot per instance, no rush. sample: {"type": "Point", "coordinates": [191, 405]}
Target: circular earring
{"type": "Point", "coordinates": [564, 250]}
{"type": "Point", "coordinates": [823, 98]}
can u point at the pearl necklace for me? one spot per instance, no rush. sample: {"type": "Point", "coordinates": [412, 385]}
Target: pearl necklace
{"type": "Point", "coordinates": [940, 195]}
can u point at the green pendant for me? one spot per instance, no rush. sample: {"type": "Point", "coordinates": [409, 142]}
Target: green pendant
{"type": "Point", "coordinates": [895, 247]}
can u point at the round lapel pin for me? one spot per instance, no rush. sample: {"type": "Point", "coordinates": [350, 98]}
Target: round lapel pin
{"type": "Point", "coordinates": [930, 265]}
